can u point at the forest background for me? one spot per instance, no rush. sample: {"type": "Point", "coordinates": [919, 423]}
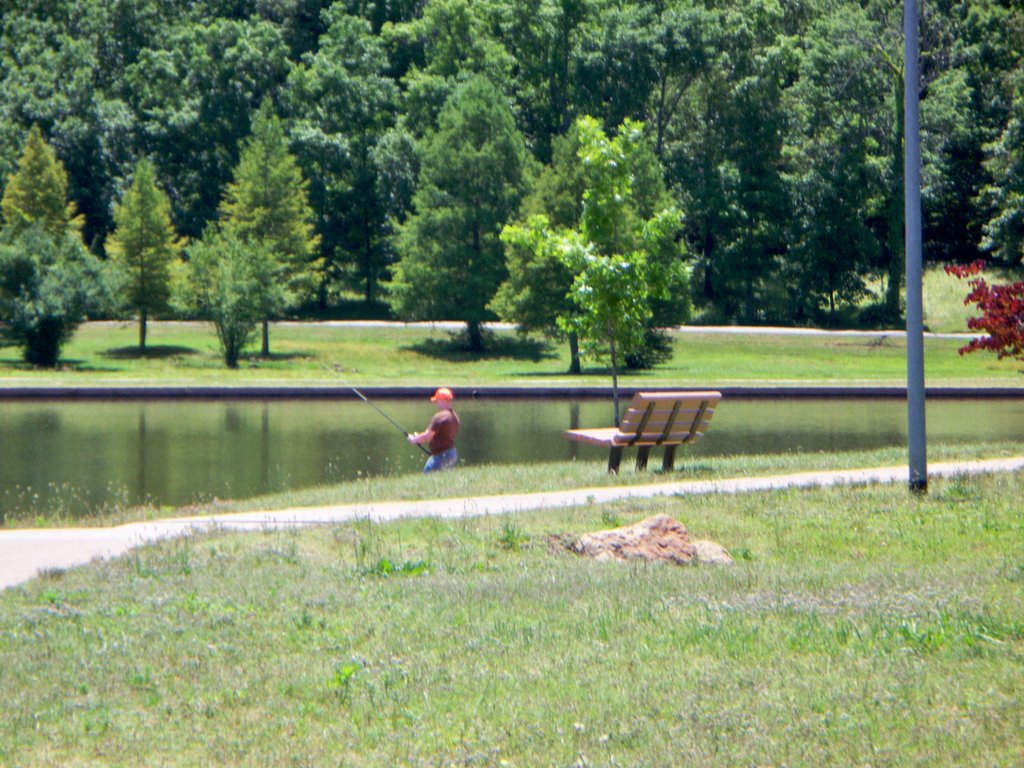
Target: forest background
{"type": "Point", "coordinates": [776, 127]}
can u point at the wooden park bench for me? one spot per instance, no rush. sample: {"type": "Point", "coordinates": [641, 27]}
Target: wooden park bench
{"type": "Point", "coordinates": [669, 419]}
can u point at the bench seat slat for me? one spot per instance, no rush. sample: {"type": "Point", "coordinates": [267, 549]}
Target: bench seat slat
{"type": "Point", "coordinates": [611, 436]}
{"type": "Point", "coordinates": [603, 436]}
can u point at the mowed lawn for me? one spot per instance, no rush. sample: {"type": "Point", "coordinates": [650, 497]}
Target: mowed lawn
{"type": "Point", "coordinates": [858, 626]}
{"type": "Point", "coordinates": [416, 355]}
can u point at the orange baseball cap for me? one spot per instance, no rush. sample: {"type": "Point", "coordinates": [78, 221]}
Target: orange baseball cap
{"type": "Point", "coordinates": [442, 394]}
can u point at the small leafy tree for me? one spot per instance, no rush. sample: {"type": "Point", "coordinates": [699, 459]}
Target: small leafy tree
{"type": "Point", "coordinates": [1002, 313]}
{"type": "Point", "coordinates": [144, 245]}
{"type": "Point", "coordinates": [611, 296]}
{"type": "Point", "coordinates": [612, 192]}
{"type": "Point", "coordinates": [267, 204]}
{"type": "Point", "coordinates": [49, 284]}
{"type": "Point", "coordinates": [230, 282]}
{"type": "Point", "coordinates": [620, 263]}
{"type": "Point", "coordinates": [536, 291]}
{"type": "Point", "coordinates": [624, 216]}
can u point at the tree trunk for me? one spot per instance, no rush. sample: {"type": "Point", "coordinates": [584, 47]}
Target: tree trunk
{"type": "Point", "coordinates": [265, 351]}
{"type": "Point", "coordinates": [707, 251]}
{"type": "Point", "coordinates": [476, 341]}
{"type": "Point", "coordinates": [574, 353]}
{"type": "Point", "coordinates": [142, 329]}
{"type": "Point", "coordinates": [748, 302]}
{"type": "Point", "coordinates": [368, 258]}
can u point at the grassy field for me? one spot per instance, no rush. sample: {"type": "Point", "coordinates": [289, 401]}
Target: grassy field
{"type": "Point", "coordinates": [311, 353]}
{"type": "Point", "coordinates": [942, 299]}
{"type": "Point", "coordinates": [859, 626]}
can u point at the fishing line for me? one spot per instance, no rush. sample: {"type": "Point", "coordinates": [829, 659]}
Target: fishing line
{"type": "Point", "coordinates": [366, 400]}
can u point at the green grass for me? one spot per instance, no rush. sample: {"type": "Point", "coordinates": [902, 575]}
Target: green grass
{"type": "Point", "coordinates": [859, 626]}
{"type": "Point", "coordinates": [943, 302]}
{"type": "Point", "coordinates": [556, 476]}
{"type": "Point", "coordinates": [942, 299]}
{"type": "Point", "coordinates": [316, 354]}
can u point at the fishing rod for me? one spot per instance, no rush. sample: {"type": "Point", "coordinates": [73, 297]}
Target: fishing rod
{"type": "Point", "coordinates": [373, 405]}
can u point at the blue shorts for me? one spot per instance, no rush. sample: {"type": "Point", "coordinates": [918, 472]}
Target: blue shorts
{"type": "Point", "coordinates": [441, 461]}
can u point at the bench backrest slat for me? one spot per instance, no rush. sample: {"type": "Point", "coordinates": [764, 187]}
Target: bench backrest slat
{"type": "Point", "coordinates": [699, 421]}
{"type": "Point", "coordinates": [666, 433]}
{"type": "Point", "coordinates": [642, 426]}
{"type": "Point", "coordinates": [659, 417]}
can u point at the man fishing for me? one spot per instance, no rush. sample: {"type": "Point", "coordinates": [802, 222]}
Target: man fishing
{"type": "Point", "coordinates": [439, 435]}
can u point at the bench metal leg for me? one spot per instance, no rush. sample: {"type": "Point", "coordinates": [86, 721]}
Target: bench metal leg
{"type": "Point", "coordinates": [614, 458]}
{"type": "Point", "coordinates": [641, 457]}
{"type": "Point", "coordinates": [669, 462]}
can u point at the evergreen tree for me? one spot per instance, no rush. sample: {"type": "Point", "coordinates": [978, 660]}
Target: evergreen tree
{"type": "Point", "coordinates": [343, 106]}
{"type": "Point", "coordinates": [451, 257]}
{"type": "Point", "coordinates": [48, 281]}
{"type": "Point", "coordinates": [267, 204]}
{"type": "Point", "coordinates": [144, 245]}
{"type": "Point", "coordinates": [38, 191]}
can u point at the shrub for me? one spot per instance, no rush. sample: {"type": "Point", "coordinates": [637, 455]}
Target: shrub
{"type": "Point", "coordinates": [232, 284]}
{"type": "Point", "coordinates": [49, 284]}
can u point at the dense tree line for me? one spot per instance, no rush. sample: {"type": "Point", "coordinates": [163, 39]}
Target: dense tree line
{"type": "Point", "coordinates": [421, 128]}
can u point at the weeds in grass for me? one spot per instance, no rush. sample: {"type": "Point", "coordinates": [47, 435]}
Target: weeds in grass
{"type": "Point", "coordinates": [341, 681]}
{"type": "Point", "coordinates": [1014, 571]}
{"type": "Point", "coordinates": [958, 489]}
{"type": "Point", "coordinates": [385, 567]}
{"type": "Point", "coordinates": [871, 626]}
{"type": "Point", "coordinates": [511, 538]}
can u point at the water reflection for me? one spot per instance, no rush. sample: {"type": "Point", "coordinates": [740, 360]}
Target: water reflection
{"type": "Point", "coordinates": [76, 455]}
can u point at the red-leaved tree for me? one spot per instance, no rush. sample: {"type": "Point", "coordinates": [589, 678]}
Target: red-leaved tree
{"type": "Point", "coordinates": [1002, 312]}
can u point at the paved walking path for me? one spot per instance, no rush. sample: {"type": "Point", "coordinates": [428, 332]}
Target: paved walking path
{"type": "Point", "coordinates": [27, 552]}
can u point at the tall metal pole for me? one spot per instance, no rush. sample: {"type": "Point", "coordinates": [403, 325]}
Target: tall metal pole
{"type": "Point", "coordinates": [912, 234]}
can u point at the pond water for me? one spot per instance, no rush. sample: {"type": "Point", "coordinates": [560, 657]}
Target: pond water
{"type": "Point", "coordinates": [71, 457]}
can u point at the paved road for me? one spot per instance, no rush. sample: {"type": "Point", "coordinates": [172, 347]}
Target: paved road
{"type": "Point", "coordinates": [454, 325]}
{"type": "Point", "coordinates": [451, 325]}
{"type": "Point", "coordinates": [26, 553]}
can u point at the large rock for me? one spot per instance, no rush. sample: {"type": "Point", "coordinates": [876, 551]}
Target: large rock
{"type": "Point", "coordinates": [656, 538]}
{"type": "Point", "coordinates": [712, 553]}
